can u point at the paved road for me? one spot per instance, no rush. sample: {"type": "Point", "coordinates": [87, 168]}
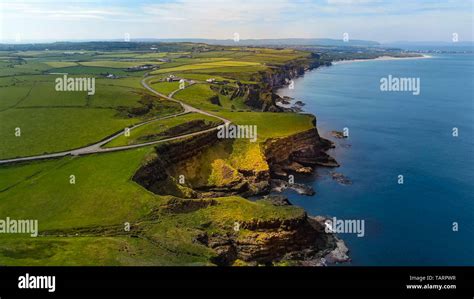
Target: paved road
{"type": "Point", "coordinates": [97, 147]}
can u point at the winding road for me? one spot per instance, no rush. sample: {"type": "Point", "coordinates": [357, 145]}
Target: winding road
{"type": "Point", "coordinates": [97, 147]}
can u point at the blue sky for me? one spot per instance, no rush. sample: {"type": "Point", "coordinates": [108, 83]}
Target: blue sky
{"type": "Point", "coordinates": [379, 20]}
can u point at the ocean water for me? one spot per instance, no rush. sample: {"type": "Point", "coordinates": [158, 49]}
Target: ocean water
{"type": "Point", "coordinates": [391, 134]}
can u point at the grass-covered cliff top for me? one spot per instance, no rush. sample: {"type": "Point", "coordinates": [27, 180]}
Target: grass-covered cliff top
{"type": "Point", "coordinates": [104, 196]}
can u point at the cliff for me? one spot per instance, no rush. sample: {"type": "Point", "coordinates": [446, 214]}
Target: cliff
{"type": "Point", "coordinates": [154, 176]}
{"type": "Point", "coordinates": [299, 240]}
{"type": "Point", "coordinates": [262, 96]}
{"type": "Point", "coordinates": [298, 153]}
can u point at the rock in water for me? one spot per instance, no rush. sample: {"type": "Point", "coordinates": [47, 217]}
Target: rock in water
{"type": "Point", "coordinates": [338, 134]}
{"type": "Point", "coordinates": [339, 254]}
{"type": "Point", "coordinates": [280, 186]}
{"type": "Point", "coordinates": [340, 178]}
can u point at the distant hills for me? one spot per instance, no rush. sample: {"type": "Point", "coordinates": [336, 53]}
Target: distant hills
{"type": "Point", "coordinates": [432, 46]}
{"type": "Point", "coordinates": [231, 42]}
{"type": "Point", "coordinates": [272, 42]}
{"type": "Point", "coordinates": [171, 44]}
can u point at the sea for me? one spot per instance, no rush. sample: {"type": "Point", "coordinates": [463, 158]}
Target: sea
{"type": "Point", "coordinates": [409, 158]}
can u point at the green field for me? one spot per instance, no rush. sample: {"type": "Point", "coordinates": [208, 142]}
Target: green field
{"type": "Point", "coordinates": [164, 87]}
{"type": "Point", "coordinates": [59, 64]}
{"type": "Point", "coordinates": [49, 130]}
{"type": "Point", "coordinates": [209, 65]}
{"type": "Point", "coordinates": [155, 130]}
{"type": "Point", "coordinates": [104, 197]}
{"type": "Point", "coordinates": [53, 121]}
{"type": "Point", "coordinates": [281, 124]}
{"type": "Point", "coordinates": [116, 64]}
{"type": "Point", "coordinates": [111, 199]}
{"type": "Point", "coordinates": [199, 95]}
{"type": "Point", "coordinates": [83, 223]}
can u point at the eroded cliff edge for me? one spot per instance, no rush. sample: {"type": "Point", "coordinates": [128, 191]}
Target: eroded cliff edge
{"type": "Point", "coordinates": [263, 96]}
{"type": "Point", "coordinates": [201, 171]}
{"type": "Point", "coordinates": [299, 239]}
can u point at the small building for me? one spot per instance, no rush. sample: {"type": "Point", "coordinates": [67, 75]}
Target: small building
{"type": "Point", "coordinates": [110, 76]}
{"type": "Point", "coordinates": [172, 78]}
{"type": "Point", "coordinates": [211, 80]}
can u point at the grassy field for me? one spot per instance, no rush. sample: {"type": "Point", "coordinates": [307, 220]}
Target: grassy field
{"type": "Point", "coordinates": [165, 87]}
{"type": "Point", "coordinates": [48, 130]}
{"type": "Point", "coordinates": [104, 197]}
{"type": "Point", "coordinates": [92, 212]}
{"type": "Point", "coordinates": [117, 64]}
{"type": "Point", "coordinates": [209, 65]}
{"type": "Point", "coordinates": [199, 95]}
{"type": "Point", "coordinates": [52, 121]}
{"type": "Point", "coordinates": [154, 131]}
{"type": "Point", "coordinates": [59, 64]}
{"type": "Point", "coordinates": [272, 124]}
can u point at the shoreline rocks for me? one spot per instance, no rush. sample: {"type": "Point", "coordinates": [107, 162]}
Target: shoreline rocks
{"type": "Point", "coordinates": [338, 134]}
{"type": "Point", "coordinates": [280, 185]}
{"type": "Point", "coordinates": [300, 241]}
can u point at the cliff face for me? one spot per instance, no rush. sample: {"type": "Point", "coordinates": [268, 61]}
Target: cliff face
{"type": "Point", "coordinates": [262, 96]}
{"type": "Point", "coordinates": [279, 77]}
{"type": "Point", "coordinates": [154, 174]}
{"type": "Point", "coordinates": [298, 153]}
{"type": "Point", "coordinates": [299, 240]}
{"type": "Point", "coordinates": [254, 96]}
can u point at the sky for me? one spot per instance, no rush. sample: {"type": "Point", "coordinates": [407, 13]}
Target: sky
{"type": "Point", "coordinates": [377, 20]}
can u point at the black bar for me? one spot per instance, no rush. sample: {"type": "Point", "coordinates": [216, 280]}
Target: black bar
{"type": "Point", "coordinates": [241, 282]}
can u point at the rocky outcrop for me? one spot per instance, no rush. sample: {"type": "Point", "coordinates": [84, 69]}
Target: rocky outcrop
{"type": "Point", "coordinates": [295, 154]}
{"type": "Point", "coordinates": [300, 240]}
{"type": "Point", "coordinates": [255, 97]}
{"type": "Point", "coordinates": [285, 155]}
{"type": "Point", "coordinates": [338, 134]}
{"type": "Point", "coordinates": [340, 178]}
{"type": "Point", "coordinates": [154, 176]}
{"type": "Point", "coordinates": [279, 76]}
{"type": "Point", "coordinates": [281, 185]}
{"type": "Point", "coordinates": [262, 96]}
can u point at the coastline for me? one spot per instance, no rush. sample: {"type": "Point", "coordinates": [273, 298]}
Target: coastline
{"type": "Point", "coordinates": [383, 58]}
{"type": "Point", "coordinates": [342, 251]}
{"type": "Point", "coordinates": [368, 198]}
{"type": "Point", "coordinates": [300, 109]}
